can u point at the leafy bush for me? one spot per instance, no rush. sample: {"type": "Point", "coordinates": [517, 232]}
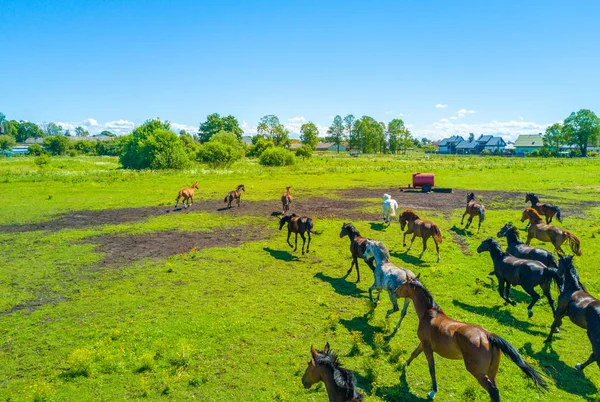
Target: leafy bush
{"type": "Point", "coordinates": [276, 157]}
{"type": "Point", "coordinates": [35, 149]}
{"type": "Point", "coordinates": [84, 146]}
{"type": "Point", "coordinates": [110, 147]}
{"type": "Point", "coordinates": [43, 160]}
{"type": "Point", "coordinates": [486, 152]}
{"type": "Point", "coordinates": [305, 151]}
{"type": "Point", "coordinates": [259, 145]}
{"type": "Point", "coordinates": [227, 138]}
{"type": "Point", "coordinates": [217, 155]}
{"type": "Point", "coordinates": [7, 142]}
{"type": "Point", "coordinates": [191, 146]}
{"type": "Point", "coordinates": [57, 144]}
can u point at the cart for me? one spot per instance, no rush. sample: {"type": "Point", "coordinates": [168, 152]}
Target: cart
{"type": "Point", "coordinates": [424, 182]}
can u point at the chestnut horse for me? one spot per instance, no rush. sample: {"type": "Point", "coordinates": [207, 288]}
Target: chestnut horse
{"type": "Point", "coordinates": [234, 195]}
{"type": "Point", "coordinates": [473, 209]}
{"type": "Point", "coordinates": [548, 233]}
{"type": "Point", "coordinates": [286, 199]}
{"type": "Point", "coordinates": [421, 228]}
{"type": "Point", "coordinates": [358, 245]}
{"type": "Point", "coordinates": [298, 225]}
{"type": "Point", "coordinates": [582, 308]}
{"type": "Point", "coordinates": [187, 194]}
{"type": "Point", "coordinates": [339, 382]}
{"type": "Point", "coordinates": [478, 348]}
{"type": "Point", "coordinates": [548, 210]}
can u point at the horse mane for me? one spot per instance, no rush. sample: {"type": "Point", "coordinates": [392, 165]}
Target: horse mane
{"type": "Point", "coordinates": [386, 197]}
{"type": "Point", "coordinates": [513, 229]}
{"type": "Point", "coordinates": [423, 290]}
{"type": "Point", "coordinates": [240, 186]}
{"type": "Point", "coordinates": [409, 213]}
{"type": "Point", "coordinates": [381, 248]}
{"type": "Point", "coordinates": [350, 228]}
{"type": "Point", "coordinates": [534, 212]}
{"type": "Point", "coordinates": [573, 274]}
{"type": "Point", "coordinates": [342, 377]}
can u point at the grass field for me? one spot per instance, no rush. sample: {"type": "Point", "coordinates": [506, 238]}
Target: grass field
{"type": "Point", "coordinates": [107, 293]}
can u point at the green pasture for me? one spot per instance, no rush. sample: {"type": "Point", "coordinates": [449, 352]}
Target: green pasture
{"type": "Point", "coordinates": [237, 323]}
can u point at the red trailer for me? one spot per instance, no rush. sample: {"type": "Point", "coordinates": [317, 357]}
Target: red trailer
{"type": "Point", "coordinates": [424, 182]}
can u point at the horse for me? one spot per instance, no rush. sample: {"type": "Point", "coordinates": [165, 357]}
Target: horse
{"type": "Point", "coordinates": [520, 250]}
{"type": "Point", "coordinates": [478, 348]}
{"type": "Point", "coordinates": [298, 225]}
{"type": "Point", "coordinates": [389, 208]}
{"type": "Point", "coordinates": [582, 308]}
{"type": "Point", "coordinates": [548, 210]}
{"type": "Point", "coordinates": [358, 244]}
{"type": "Point", "coordinates": [339, 382]}
{"type": "Point", "coordinates": [234, 195]}
{"type": "Point", "coordinates": [514, 271]}
{"type": "Point", "coordinates": [549, 233]}
{"type": "Point", "coordinates": [421, 228]}
{"type": "Point", "coordinates": [187, 194]}
{"type": "Point", "coordinates": [286, 200]}
{"type": "Point", "coordinates": [473, 208]}
{"type": "Point", "coordinates": [387, 276]}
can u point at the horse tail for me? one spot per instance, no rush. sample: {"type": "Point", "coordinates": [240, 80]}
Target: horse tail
{"type": "Point", "coordinates": [573, 242]}
{"type": "Point", "coordinates": [592, 317]}
{"type": "Point", "coordinates": [481, 213]}
{"type": "Point", "coordinates": [553, 274]}
{"type": "Point", "coordinates": [309, 227]}
{"type": "Point", "coordinates": [511, 352]}
{"type": "Point", "coordinates": [226, 197]}
{"type": "Point", "coordinates": [557, 210]}
{"type": "Point", "coordinates": [436, 233]}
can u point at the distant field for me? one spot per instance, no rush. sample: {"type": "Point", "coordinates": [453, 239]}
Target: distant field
{"type": "Point", "coordinates": [108, 293]}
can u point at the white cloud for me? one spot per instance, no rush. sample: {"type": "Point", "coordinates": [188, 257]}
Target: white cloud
{"type": "Point", "coordinates": [119, 127]}
{"type": "Point", "coordinates": [463, 112]}
{"type": "Point", "coordinates": [441, 106]}
{"type": "Point", "coordinates": [453, 118]}
{"type": "Point", "coordinates": [248, 129]}
{"type": "Point", "coordinates": [296, 119]}
{"type": "Point", "coordinates": [90, 122]}
{"type": "Point", "coordinates": [444, 121]}
{"type": "Point", "coordinates": [178, 127]}
{"type": "Point", "coordinates": [509, 130]}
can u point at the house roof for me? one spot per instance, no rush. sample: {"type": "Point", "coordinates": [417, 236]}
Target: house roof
{"type": "Point", "coordinates": [295, 145]}
{"type": "Point", "coordinates": [467, 145]}
{"type": "Point", "coordinates": [495, 141]}
{"type": "Point", "coordinates": [526, 140]}
{"type": "Point", "coordinates": [326, 145]}
{"type": "Point", "coordinates": [485, 138]}
{"type": "Point", "coordinates": [447, 141]}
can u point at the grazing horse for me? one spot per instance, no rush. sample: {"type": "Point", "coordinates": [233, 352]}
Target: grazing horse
{"type": "Point", "coordinates": [421, 228]}
{"type": "Point", "coordinates": [234, 195]}
{"type": "Point", "coordinates": [582, 308]}
{"type": "Point", "coordinates": [478, 348]}
{"type": "Point", "coordinates": [187, 194]}
{"type": "Point", "coordinates": [358, 244]}
{"type": "Point", "coordinates": [286, 199]}
{"type": "Point", "coordinates": [387, 276]}
{"type": "Point", "coordinates": [514, 271]}
{"type": "Point", "coordinates": [548, 233]}
{"type": "Point", "coordinates": [339, 382]}
{"type": "Point", "coordinates": [298, 225]}
{"type": "Point", "coordinates": [521, 250]}
{"type": "Point", "coordinates": [548, 210]}
{"type": "Point", "coordinates": [389, 208]}
{"type": "Point", "coordinates": [473, 209]}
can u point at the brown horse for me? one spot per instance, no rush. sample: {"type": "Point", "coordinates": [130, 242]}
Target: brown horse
{"type": "Point", "coordinates": [298, 225]}
{"type": "Point", "coordinates": [478, 348]}
{"type": "Point", "coordinates": [421, 228]}
{"type": "Point", "coordinates": [286, 199]}
{"type": "Point", "coordinates": [187, 194]}
{"type": "Point", "coordinates": [473, 209]}
{"type": "Point", "coordinates": [548, 233]}
{"type": "Point", "coordinates": [339, 382]}
{"type": "Point", "coordinates": [234, 195]}
{"type": "Point", "coordinates": [547, 210]}
{"type": "Point", "coordinates": [358, 245]}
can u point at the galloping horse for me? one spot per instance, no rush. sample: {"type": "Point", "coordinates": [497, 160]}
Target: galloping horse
{"type": "Point", "coordinates": [421, 228]}
{"type": "Point", "coordinates": [548, 210]}
{"type": "Point", "coordinates": [286, 199]}
{"type": "Point", "coordinates": [548, 233]}
{"type": "Point", "coordinates": [298, 225]}
{"type": "Point", "coordinates": [514, 271]}
{"type": "Point", "coordinates": [389, 208]}
{"type": "Point", "coordinates": [521, 250]}
{"type": "Point", "coordinates": [582, 308]}
{"type": "Point", "coordinates": [187, 194]}
{"type": "Point", "coordinates": [479, 348]}
{"type": "Point", "coordinates": [358, 244]}
{"type": "Point", "coordinates": [387, 276]}
{"type": "Point", "coordinates": [234, 195]}
{"type": "Point", "coordinates": [473, 209]}
{"type": "Point", "coordinates": [339, 382]}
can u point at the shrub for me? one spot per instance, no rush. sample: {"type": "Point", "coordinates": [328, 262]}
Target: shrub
{"type": "Point", "coordinates": [84, 146]}
{"type": "Point", "coordinates": [7, 142]}
{"type": "Point", "coordinates": [305, 151]}
{"type": "Point", "coordinates": [110, 147]}
{"type": "Point", "coordinates": [277, 157]}
{"type": "Point", "coordinates": [486, 152]}
{"type": "Point", "coordinates": [43, 160]}
{"type": "Point", "coordinates": [57, 144]}
{"type": "Point", "coordinates": [227, 138]}
{"type": "Point", "coordinates": [259, 146]}
{"type": "Point", "coordinates": [35, 149]}
{"type": "Point", "coordinates": [217, 155]}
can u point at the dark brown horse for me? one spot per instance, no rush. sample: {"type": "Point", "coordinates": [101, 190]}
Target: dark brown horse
{"type": "Point", "coordinates": [421, 228]}
{"type": "Point", "coordinates": [234, 195]}
{"type": "Point", "coordinates": [339, 382]}
{"type": "Point", "coordinates": [187, 194]}
{"type": "Point", "coordinates": [478, 348]}
{"type": "Point", "coordinates": [286, 199]}
{"type": "Point", "coordinates": [473, 209]}
{"type": "Point", "coordinates": [582, 308]}
{"type": "Point", "coordinates": [545, 209]}
{"type": "Point", "coordinates": [521, 250]}
{"type": "Point", "coordinates": [549, 233]}
{"type": "Point", "coordinates": [298, 225]}
{"type": "Point", "coordinates": [358, 244]}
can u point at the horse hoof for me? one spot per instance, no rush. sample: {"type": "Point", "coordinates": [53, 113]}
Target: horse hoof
{"type": "Point", "coordinates": [529, 313]}
{"type": "Point", "coordinates": [431, 395]}
{"type": "Point", "coordinates": [578, 366]}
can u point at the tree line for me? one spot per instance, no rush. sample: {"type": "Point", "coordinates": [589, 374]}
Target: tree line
{"type": "Point", "coordinates": [581, 129]}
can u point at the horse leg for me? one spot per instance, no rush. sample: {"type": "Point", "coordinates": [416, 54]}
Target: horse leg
{"type": "Point", "coordinates": [501, 291]}
{"type": "Point", "coordinates": [590, 360]}
{"type": "Point", "coordinates": [411, 242]}
{"type": "Point", "coordinates": [558, 316]}
{"type": "Point", "coordinates": [469, 222]}
{"type": "Point", "coordinates": [424, 247]}
{"type": "Point", "coordinates": [414, 355]}
{"type": "Point", "coordinates": [534, 298]}
{"type": "Point", "coordinates": [404, 238]}
{"type": "Point", "coordinates": [296, 242]}
{"type": "Point", "coordinates": [288, 238]}
{"type": "Point", "coordinates": [431, 362]}
{"type": "Point", "coordinates": [437, 249]}
{"type": "Point", "coordinates": [303, 241]}
{"type": "Point", "coordinates": [548, 294]}
{"type": "Point", "coordinates": [394, 301]}
{"type": "Point", "coordinates": [463, 218]}
{"type": "Point", "coordinates": [529, 237]}
{"type": "Point", "coordinates": [402, 314]}
{"type": "Point", "coordinates": [479, 224]}
{"type": "Point", "coordinates": [489, 386]}
{"type": "Point", "coordinates": [354, 261]}
{"type": "Point", "coordinates": [177, 201]}
{"type": "Point", "coordinates": [308, 246]}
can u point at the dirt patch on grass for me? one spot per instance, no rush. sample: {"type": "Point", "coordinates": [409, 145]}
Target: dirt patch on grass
{"type": "Point", "coordinates": [31, 305]}
{"type": "Point", "coordinates": [125, 249]}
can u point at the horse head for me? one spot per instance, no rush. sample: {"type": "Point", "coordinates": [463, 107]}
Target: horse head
{"type": "Point", "coordinates": [195, 185]}
{"type": "Point", "coordinates": [488, 244]}
{"type": "Point", "coordinates": [386, 197]}
{"type": "Point", "coordinates": [530, 213]}
{"type": "Point", "coordinates": [470, 196]}
{"type": "Point", "coordinates": [284, 219]}
{"type": "Point", "coordinates": [505, 229]}
{"type": "Point", "coordinates": [241, 187]}
{"type": "Point", "coordinates": [348, 228]}
{"type": "Point", "coordinates": [407, 216]}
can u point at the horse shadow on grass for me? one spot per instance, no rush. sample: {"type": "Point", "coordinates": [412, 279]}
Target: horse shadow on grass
{"type": "Point", "coordinates": [409, 259]}
{"type": "Point", "coordinates": [378, 226]}
{"type": "Point", "coordinates": [281, 255]}
{"type": "Point", "coordinates": [341, 285]}
{"type": "Point", "coordinates": [515, 294]}
{"type": "Point", "coordinates": [461, 232]}
{"type": "Point", "coordinates": [567, 378]}
{"type": "Point", "coordinates": [503, 317]}
{"type": "Point", "coordinates": [361, 324]}
{"type": "Point", "coordinates": [392, 393]}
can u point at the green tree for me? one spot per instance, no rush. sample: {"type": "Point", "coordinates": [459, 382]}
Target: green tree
{"type": "Point", "coordinates": [270, 127]}
{"type": "Point", "coordinates": [259, 145]}
{"type": "Point", "coordinates": [28, 130]}
{"type": "Point", "coordinates": [335, 133]}
{"type": "Point", "coordinates": [554, 138]}
{"type": "Point", "coordinates": [368, 135]}
{"type": "Point", "coordinates": [395, 129]}
{"type": "Point", "coordinates": [276, 156]}
{"type": "Point", "coordinates": [349, 122]}
{"type": "Point", "coordinates": [52, 129]}
{"type": "Point", "coordinates": [406, 140]}
{"type": "Point", "coordinates": [11, 128]}
{"type": "Point", "coordinates": [217, 154]}
{"type": "Point", "coordinates": [305, 151]}
{"type": "Point", "coordinates": [215, 123]}
{"type": "Point", "coordinates": [471, 137]}
{"type": "Point", "coordinates": [309, 135]}
{"type": "Point", "coordinates": [57, 144]}
{"type": "Point", "coordinates": [582, 128]}
{"type": "Point", "coordinates": [2, 118]}
{"type": "Point", "coordinates": [7, 142]}
{"type": "Point", "coordinates": [35, 149]}
{"type": "Point", "coordinates": [230, 139]}
{"type": "Point", "coordinates": [81, 132]}
{"type": "Point", "coordinates": [108, 133]}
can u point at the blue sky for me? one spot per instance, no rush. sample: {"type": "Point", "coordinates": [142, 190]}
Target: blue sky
{"type": "Point", "coordinates": [504, 67]}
